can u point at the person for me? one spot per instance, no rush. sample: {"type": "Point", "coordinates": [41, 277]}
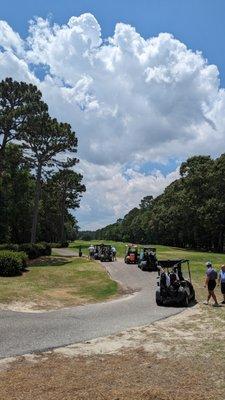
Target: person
{"type": "Point", "coordinates": [80, 251]}
{"type": "Point", "coordinates": [164, 277]}
{"type": "Point", "coordinates": [210, 283]}
{"type": "Point", "coordinates": [113, 252]}
{"type": "Point", "coordinates": [221, 282]}
{"type": "Point", "coordinates": [91, 251]}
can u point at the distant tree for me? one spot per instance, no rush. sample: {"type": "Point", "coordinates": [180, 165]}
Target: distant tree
{"type": "Point", "coordinates": [146, 203]}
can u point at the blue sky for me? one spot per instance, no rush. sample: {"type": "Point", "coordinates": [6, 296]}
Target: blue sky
{"type": "Point", "coordinates": [141, 102]}
{"type": "Point", "coordinates": [199, 24]}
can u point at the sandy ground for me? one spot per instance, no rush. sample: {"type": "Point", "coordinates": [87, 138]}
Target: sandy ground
{"type": "Point", "coordinates": [181, 357]}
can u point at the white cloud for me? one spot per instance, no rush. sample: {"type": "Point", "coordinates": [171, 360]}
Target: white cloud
{"type": "Point", "coordinates": [9, 39]}
{"type": "Point", "coordinates": [130, 100]}
{"type": "Point", "coordinates": [112, 192]}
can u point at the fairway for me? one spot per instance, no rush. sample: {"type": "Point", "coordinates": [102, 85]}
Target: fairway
{"type": "Point", "coordinates": [55, 282]}
{"type": "Point", "coordinates": [197, 259]}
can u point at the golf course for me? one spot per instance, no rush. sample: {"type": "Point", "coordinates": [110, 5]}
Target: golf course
{"type": "Point", "coordinates": [112, 200]}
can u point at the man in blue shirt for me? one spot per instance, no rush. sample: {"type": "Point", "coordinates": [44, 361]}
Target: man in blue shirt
{"type": "Point", "coordinates": [210, 283]}
{"type": "Point", "coordinates": [221, 282]}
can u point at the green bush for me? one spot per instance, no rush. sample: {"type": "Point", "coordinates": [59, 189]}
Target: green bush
{"type": "Point", "coordinates": [46, 248]}
{"type": "Point", "coordinates": [36, 250]}
{"type": "Point", "coordinates": [9, 246]}
{"type": "Point", "coordinates": [12, 263]}
{"type": "Point", "coordinates": [32, 250]}
{"type": "Point", "coordinates": [60, 245]}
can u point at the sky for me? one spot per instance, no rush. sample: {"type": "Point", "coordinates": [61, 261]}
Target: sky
{"type": "Point", "coordinates": [141, 83]}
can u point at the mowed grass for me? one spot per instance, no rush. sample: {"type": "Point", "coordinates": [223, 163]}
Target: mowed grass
{"type": "Point", "coordinates": [197, 259]}
{"type": "Point", "coordinates": [53, 282]}
{"type": "Point", "coordinates": [120, 246]}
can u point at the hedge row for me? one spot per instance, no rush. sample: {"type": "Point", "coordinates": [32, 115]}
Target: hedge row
{"type": "Point", "coordinates": [12, 263]}
{"type": "Point", "coordinates": [32, 250]}
{"type": "Point", "coordinates": [59, 245]}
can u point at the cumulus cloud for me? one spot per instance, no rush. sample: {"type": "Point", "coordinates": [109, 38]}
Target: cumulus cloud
{"type": "Point", "coordinates": [131, 100]}
{"type": "Point", "coordinates": [114, 191]}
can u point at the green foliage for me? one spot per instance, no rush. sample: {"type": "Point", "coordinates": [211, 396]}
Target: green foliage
{"type": "Point", "coordinates": [9, 246]}
{"type": "Point", "coordinates": [16, 197]}
{"type": "Point", "coordinates": [35, 207]}
{"type": "Point", "coordinates": [12, 263]}
{"type": "Point", "coordinates": [18, 102]}
{"type": "Point", "coordinates": [190, 213]}
{"type": "Point", "coordinates": [59, 245]}
{"type": "Point", "coordinates": [44, 138]}
{"type": "Point", "coordinates": [36, 250]}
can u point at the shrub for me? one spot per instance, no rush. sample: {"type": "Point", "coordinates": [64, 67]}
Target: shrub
{"type": "Point", "coordinates": [65, 244]}
{"type": "Point", "coordinates": [32, 250]}
{"type": "Point", "coordinates": [9, 246]}
{"type": "Point", "coordinates": [36, 250]}
{"type": "Point", "coordinates": [59, 245]}
{"type": "Point", "coordinates": [12, 263]}
{"type": "Point", "coordinates": [45, 248]}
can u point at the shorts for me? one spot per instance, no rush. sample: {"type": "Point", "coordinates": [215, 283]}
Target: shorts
{"type": "Point", "coordinates": [223, 287]}
{"type": "Point", "coordinates": [211, 284]}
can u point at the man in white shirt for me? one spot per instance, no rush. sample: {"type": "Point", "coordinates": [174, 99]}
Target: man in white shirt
{"type": "Point", "coordinates": [91, 251]}
{"type": "Point", "coordinates": [113, 249]}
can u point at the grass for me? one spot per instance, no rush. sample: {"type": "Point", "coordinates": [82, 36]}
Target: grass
{"type": "Point", "coordinates": [120, 246]}
{"type": "Point", "coordinates": [53, 282]}
{"type": "Point", "coordinates": [197, 259]}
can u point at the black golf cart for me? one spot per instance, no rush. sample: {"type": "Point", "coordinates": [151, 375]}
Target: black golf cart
{"type": "Point", "coordinates": [131, 254]}
{"type": "Point", "coordinates": [172, 287]}
{"type": "Point", "coordinates": [147, 260]}
{"type": "Point", "coordinates": [103, 252]}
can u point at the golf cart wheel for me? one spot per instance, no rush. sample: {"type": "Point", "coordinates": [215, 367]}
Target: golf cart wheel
{"type": "Point", "coordinates": [186, 301]}
{"type": "Point", "coordinates": [158, 300]}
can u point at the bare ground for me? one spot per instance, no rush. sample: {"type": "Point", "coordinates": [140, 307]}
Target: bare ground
{"type": "Point", "coordinates": [181, 357]}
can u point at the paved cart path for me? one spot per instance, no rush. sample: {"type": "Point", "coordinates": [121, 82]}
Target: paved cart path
{"type": "Point", "coordinates": [22, 333]}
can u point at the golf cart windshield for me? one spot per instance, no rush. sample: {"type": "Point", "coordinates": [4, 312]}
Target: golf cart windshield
{"type": "Point", "coordinates": [180, 266]}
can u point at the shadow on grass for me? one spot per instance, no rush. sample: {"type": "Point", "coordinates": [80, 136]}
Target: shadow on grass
{"type": "Point", "coordinates": [49, 262]}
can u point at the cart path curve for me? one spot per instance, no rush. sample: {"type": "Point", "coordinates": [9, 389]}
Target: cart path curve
{"type": "Point", "coordinates": [22, 333]}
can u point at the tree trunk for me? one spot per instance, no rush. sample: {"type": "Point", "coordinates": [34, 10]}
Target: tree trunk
{"type": "Point", "coordinates": [221, 241]}
{"type": "Point", "coordinates": [2, 153]}
{"type": "Point", "coordinates": [36, 205]}
{"type": "Point", "coordinates": [62, 237]}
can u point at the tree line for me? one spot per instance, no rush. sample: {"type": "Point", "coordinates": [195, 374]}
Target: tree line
{"type": "Point", "coordinates": [38, 184]}
{"type": "Point", "coordinates": [190, 213]}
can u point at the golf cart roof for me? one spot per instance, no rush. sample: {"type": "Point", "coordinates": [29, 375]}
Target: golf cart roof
{"type": "Point", "coordinates": [172, 263]}
{"type": "Point", "coordinates": [149, 248]}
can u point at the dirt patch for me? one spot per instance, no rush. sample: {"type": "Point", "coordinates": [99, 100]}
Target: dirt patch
{"type": "Point", "coordinates": [19, 306]}
{"type": "Point", "coordinates": [174, 333]}
{"type": "Point", "coordinates": [181, 357]}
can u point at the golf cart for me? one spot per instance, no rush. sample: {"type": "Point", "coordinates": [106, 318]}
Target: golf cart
{"type": "Point", "coordinates": [147, 260]}
{"type": "Point", "coordinates": [103, 252]}
{"type": "Point", "coordinates": [172, 287]}
{"type": "Point", "coordinates": [131, 254]}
